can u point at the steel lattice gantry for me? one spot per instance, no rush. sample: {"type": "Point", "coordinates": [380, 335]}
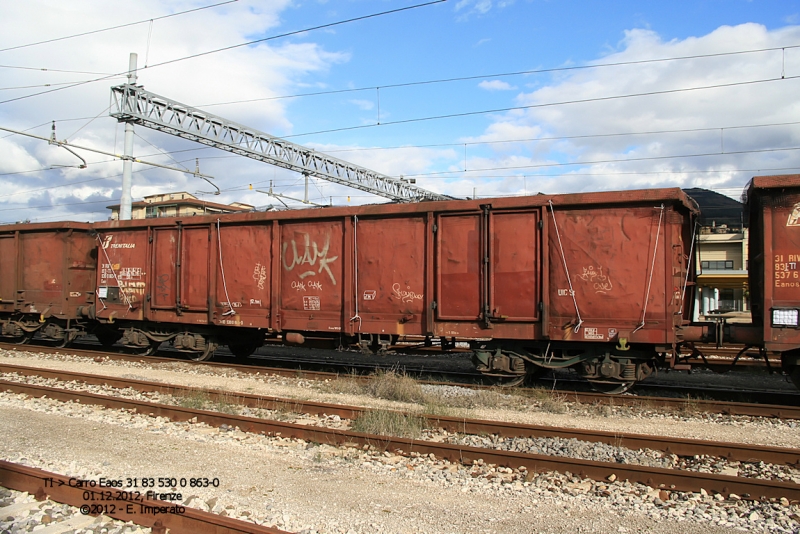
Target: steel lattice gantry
{"type": "Point", "coordinates": [131, 103]}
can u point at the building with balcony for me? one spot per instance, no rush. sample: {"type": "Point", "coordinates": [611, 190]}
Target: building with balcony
{"type": "Point", "coordinates": [721, 268]}
{"type": "Point", "coordinates": [721, 256]}
{"type": "Point", "coordinates": [181, 204]}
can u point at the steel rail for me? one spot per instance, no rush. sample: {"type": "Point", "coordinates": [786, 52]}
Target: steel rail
{"type": "Point", "coordinates": [678, 446]}
{"type": "Point", "coordinates": [778, 411]}
{"type": "Point", "coordinates": [679, 480]}
{"type": "Point", "coordinates": [44, 485]}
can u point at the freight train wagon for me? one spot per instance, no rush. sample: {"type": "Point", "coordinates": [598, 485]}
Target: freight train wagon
{"type": "Point", "coordinates": [773, 209]}
{"type": "Point", "coordinates": [600, 282]}
{"type": "Point", "coordinates": [595, 282]}
{"type": "Point", "coordinates": [47, 281]}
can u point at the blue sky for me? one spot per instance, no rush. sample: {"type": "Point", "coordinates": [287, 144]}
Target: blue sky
{"type": "Point", "coordinates": [679, 131]}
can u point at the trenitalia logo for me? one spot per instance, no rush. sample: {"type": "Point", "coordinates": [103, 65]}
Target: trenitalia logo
{"type": "Point", "coordinates": [108, 244]}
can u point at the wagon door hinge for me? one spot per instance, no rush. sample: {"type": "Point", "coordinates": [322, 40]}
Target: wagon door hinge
{"type": "Point", "coordinates": [433, 304]}
{"type": "Point", "coordinates": [434, 228]}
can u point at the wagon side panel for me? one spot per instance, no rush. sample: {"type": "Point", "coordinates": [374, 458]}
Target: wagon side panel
{"type": "Point", "coordinates": [312, 275]}
{"type": "Point", "coordinates": [390, 275]}
{"type": "Point", "coordinates": [122, 273]}
{"type": "Point", "coordinates": [243, 275]}
{"type": "Point", "coordinates": [611, 266]}
{"type": "Point", "coordinates": [43, 255]}
{"type": "Point", "coordinates": [775, 236]}
{"type": "Point", "coordinates": [8, 271]}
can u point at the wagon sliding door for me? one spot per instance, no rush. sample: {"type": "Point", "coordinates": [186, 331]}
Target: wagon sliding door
{"type": "Point", "coordinates": [488, 266]}
{"type": "Point", "coordinates": [180, 270]}
{"type": "Point", "coordinates": [514, 268]}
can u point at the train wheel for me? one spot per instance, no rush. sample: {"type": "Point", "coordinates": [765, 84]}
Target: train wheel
{"type": "Point", "coordinates": [24, 339]}
{"type": "Point", "coordinates": [149, 350]}
{"type": "Point", "coordinates": [107, 337]}
{"type": "Point", "coordinates": [510, 381]}
{"type": "Point", "coordinates": [242, 351]}
{"type": "Point", "coordinates": [207, 354]}
{"type": "Point", "coordinates": [794, 374]}
{"type": "Point", "coordinates": [610, 388]}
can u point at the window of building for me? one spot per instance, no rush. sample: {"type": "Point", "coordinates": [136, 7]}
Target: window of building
{"type": "Point", "coordinates": [722, 265]}
{"type": "Point", "coordinates": [151, 212]}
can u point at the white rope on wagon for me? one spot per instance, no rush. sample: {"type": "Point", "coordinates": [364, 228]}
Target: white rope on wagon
{"type": "Point", "coordinates": [652, 268]}
{"type": "Point", "coordinates": [230, 311]}
{"type": "Point", "coordinates": [566, 270]}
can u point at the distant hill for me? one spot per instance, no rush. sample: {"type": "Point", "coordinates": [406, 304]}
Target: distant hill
{"type": "Point", "coordinates": [716, 208]}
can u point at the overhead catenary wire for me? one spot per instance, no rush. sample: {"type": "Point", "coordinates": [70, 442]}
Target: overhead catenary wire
{"type": "Point", "coordinates": [543, 105]}
{"type": "Point", "coordinates": [502, 75]}
{"type": "Point", "coordinates": [625, 160]}
{"type": "Point", "coordinates": [92, 32]}
{"type": "Point", "coordinates": [40, 85]}
{"type": "Point", "coordinates": [46, 69]}
{"type": "Point", "coordinates": [239, 45]}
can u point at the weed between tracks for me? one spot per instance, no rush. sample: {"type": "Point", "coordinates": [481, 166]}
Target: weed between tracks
{"type": "Point", "coordinates": [229, 404]}
{"type": "Point", "coordinates": [395, 386]}
{"type": "Point", "coordinates": [388, 423]}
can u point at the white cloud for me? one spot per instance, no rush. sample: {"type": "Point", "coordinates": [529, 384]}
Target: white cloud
{"type": "Point", "coordinates": [496, 85]}
{"type": "Point", "coordinates": [475, 6]}
{"type": "Point", "coordinates": [480, 7]}
{"type": "Point", "coordinates": [365, 105]}
{"type": "Point", "coordinates": [257, 71]}
{"type": "Point", "coordinates": [723, 156]}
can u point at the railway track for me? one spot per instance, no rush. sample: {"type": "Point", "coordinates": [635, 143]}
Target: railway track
{"type": "Point", "coordinates": [123, 505]}
{"type": "Point", "coordinates": [680, 480]}
{"type": "Point", "coordinates": [680, 447]}
{"type": "Point", "coordinates": [681, 399]}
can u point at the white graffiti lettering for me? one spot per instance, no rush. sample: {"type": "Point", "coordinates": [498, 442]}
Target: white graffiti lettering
{"type": "Point", "coordinates": [315, 284]}
{"type": "Point", "coordinates": [405, 295]}
{"type": "Point", "coordinates": [260, 275]}
{"type": "Point", "coordinates": [311, 254]}
{"type": "Point", "coordinates": [600, 282]}
{"type": "Point", "coordinates": [299, 286]}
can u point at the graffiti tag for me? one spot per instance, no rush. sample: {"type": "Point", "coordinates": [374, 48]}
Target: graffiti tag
{"type": "Point", "coordinates": [299, 286]}
{"type": "Point", "coordinates": [600, 282]}
{"type": "Point", "coordinates": [260, 275]}
{"type": "Point", "coordinates": [405, 295]}
{"type": "Point", "coordinates": [312, 255]}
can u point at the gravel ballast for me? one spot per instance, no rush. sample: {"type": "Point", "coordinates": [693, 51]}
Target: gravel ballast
{"type": "Point", "coordinates": [301, 486]}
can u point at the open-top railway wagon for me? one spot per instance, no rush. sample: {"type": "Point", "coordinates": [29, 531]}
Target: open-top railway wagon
{"type": "Point", "coordinates": [601, 283]}
{"type": "Point", "coordinates": [47, 281]}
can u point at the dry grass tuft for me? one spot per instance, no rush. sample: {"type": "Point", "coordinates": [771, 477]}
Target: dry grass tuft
{"type": "Point", "coordinates": [345, 385]}
{"type": "Point", "coordinates": [229, 404]}
{"type": "Point", "coordinates": [194, 401]}
{"type": "Point", "coordinates": [389, 423]}
{"type": "Point", "coordinates": [393, 386]}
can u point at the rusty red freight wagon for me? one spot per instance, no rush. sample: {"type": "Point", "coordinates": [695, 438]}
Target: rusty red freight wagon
{"type": "Point", "coordinates": [47, 281]}
{"type": "Point", "coordinates": [773, 209]}
{"type": "Point", "coordinates": [596, 281]}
